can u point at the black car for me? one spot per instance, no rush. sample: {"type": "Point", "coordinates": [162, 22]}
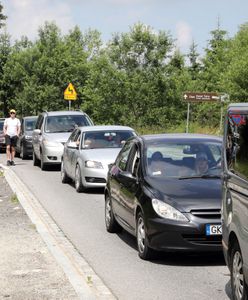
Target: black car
{"type": "Point", "coordinates": [2, 137]}
{"type": "Point", "coordinates": [235, 198]}
{"type": "Point", "coordinates": [24, 143]}
{"type": "Point", "coordinates": [166, 190]}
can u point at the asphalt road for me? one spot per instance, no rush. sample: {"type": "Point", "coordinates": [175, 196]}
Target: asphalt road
{"type": "Point", "coordinates": [114, 257]}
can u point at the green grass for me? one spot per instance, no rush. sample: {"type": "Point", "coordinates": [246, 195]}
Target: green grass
{"type": "Point", "coordinates": [181, 128]}
{"type": "Point", "coordinates": [14, 198]}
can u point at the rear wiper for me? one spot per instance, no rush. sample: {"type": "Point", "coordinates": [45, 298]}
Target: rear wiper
{"type": "Point", "coordinates": [204, 176]}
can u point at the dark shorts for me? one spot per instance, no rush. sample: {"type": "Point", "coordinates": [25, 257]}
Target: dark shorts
{"type": "Point", "coordinates": [11, 140]}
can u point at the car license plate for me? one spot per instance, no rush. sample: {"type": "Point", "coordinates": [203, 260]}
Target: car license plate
{"type": "Point", "coordinates": [213, 229]}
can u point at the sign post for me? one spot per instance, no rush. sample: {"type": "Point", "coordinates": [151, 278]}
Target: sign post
{"type": "Point", "coordinates": [70, 94]}
{"type": "Point", "coordinates": [196, 97]}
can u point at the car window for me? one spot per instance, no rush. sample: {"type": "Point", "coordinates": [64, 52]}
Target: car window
{"type": "Point", "coordinates": [123, 156]}
{"type": "Point", "coordinates": [30, 124]}
{"type": "Point", "coordinates": [74, 136]}
{"type": "Point", "coordinates": [105, 139]}
{"type": "Point", "coordinates": [65, 123]}
{"type": "Point", "coordinates": [134, 161]}
{"type": "Point", "coordinates": [178, 159]}
{"type": "Point", "coordinates": [1, 125]}
{"type": "Point", "coordinates": [39, 122]}
{"type": "Point", "coordinates": [237, 144]}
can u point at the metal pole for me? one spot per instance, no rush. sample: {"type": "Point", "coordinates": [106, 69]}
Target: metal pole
{"type": "Point", "coordinates": [69, 104]}
{"type": "Point", "coordinates": [187, 125]}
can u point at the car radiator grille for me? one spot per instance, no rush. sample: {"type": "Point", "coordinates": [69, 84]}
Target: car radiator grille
{"type": "Point", "coordinates": [207, 214]}
{"type": "Point", "coordinates": [202, 239]}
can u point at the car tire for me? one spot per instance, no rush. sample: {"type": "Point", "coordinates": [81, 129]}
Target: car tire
{"type": "Point", "coordinates": [78, 180]}
{"type": "Point", "coordinates": [238, 284]}
{"type": "Point", "coordinates": [43, 166]}
{"type": "Point", "coordinates": [23, 154]}
{"type": "Point", "coordinates": [111, 224]}
{"type": "Point", "coordinates": [145, 252]}
{"type": "Point", "coordinates": [36, 162]}
{"type": "Point", "coordinates": [64, 177]}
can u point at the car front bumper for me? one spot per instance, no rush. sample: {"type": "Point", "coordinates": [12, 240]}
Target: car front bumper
{"type": "Point", "coordinates": [28, 147]}
{"type": "Point", "coordinates": [166, 235]}
{"type": "Point", "coordinates": [52, 155]}
{"type": "Point", "coordinates": [94, 178]}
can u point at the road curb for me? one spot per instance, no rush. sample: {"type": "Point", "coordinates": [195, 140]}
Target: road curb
{"type": "Point", "coordinates": [84, 280]}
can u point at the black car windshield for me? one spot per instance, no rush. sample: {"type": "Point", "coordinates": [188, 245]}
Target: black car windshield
{"type": "Point", "coordinates": [106, 139]}
{"type": "Point", "coordinates": [183, 160]}
{"type": "Point", "coordinates": [30, 124]}
{"type": "Point", "coordinates": [65, 123]}
{"type": "Point", "coordinates": [1, 125]}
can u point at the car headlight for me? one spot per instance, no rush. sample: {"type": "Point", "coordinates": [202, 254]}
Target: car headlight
{"type": "Point", "coordinates": [93, 164]}
{"type": "Point", "coordinates": [166, 211]}
{"type": "Point", "coordinates": [48, 143]}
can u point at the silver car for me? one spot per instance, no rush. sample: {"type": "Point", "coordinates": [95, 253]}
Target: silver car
{"type": "Point", "coordinates": [88, 153]}
{"type": "Point", "coordinates": [51, 132]}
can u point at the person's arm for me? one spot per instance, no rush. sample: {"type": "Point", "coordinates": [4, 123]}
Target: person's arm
{"type": "Point", "coordinates": [18, 128]}
{"type": "Point", "coordinates": [5, 126]}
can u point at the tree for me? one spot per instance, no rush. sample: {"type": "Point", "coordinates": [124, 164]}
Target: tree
{"type": "Point", "coordinates": [2, 17]}
{"type": "Point", "coordinates": [127, 82]}
{"type": "Point", "coordinates": [5, 50]}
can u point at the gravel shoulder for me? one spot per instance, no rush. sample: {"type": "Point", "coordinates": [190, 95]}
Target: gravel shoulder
{"type": "Point", "coordinates": [27, 268]}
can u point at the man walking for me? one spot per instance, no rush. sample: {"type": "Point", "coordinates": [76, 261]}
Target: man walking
{"type": "Point", "coordinates": [12, 127]}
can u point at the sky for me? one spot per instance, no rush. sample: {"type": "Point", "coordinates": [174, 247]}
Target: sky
{"type": "Point", "coordinates": [185, 20]}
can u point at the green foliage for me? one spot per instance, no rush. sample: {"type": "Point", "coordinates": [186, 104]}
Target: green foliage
{"type": "Point", "coordinates": [2, 16]}
{"type": "Point", "coordinates": [136, 79]}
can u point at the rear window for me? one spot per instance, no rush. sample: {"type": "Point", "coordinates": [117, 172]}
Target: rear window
{"type": "Point", "coordinates": [1, 125]}
{"type": "Point", "coordinates": [30, 124]}
{"type": "Point", "coordinates": [65, 123]}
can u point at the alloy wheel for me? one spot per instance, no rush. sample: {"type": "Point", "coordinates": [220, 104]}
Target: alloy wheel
{"type": "Point", "coordinates": [141, 234]}
{"type": "Point", "coordinates": [108, 211]}
{"type": "Point", "coordinates": [237, 275]}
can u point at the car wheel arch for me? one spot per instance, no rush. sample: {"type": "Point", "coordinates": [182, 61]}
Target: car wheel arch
{"type": "Point", "coordinates": [232, 240]}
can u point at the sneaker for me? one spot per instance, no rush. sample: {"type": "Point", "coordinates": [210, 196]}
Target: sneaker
{"type": "Point", "coordinates": [12, 163]}
{"type": "Point", "coordinates": [8, 163]}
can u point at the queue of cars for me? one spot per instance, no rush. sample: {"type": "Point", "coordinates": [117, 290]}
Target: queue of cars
{"type": "Point", "coordinates": [173, 192]}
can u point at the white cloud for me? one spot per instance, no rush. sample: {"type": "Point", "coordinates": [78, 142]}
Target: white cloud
{"type": "Point", "coordinates": [183, 35]}
{"type": "Point", "coordinates": [26, 16]}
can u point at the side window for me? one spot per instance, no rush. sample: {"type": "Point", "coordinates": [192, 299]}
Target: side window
{"type": "Point", "coordinates": [237, 144]}
{"type": "Point", "coordinates": [74, 136]}
{"type": "Point", "coordinates": [123, 156]}
{"type": "Point", "coordinates": [135, 163]}
{"type": "Point", "coordinates": [40, 122]}
{"type": "Point", "coordinates": [22, 126]}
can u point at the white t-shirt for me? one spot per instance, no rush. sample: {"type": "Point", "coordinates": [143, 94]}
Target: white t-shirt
{"type": "Point", "coordinates": [12, 126]}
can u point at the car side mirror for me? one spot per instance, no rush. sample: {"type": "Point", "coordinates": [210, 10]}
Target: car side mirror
{"type": "Point", "coordinates": [37, 131]}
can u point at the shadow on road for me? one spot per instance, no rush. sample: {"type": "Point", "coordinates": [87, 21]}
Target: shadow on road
{"type": "Point", "coordinates": [179, 258]}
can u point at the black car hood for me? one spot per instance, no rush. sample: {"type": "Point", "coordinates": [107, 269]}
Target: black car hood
{"type": "Point", "coordinates": [187, 194]}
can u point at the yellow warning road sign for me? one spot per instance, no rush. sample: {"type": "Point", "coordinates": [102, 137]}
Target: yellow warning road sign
{"type": "Point", "coordinates": [70, 93]}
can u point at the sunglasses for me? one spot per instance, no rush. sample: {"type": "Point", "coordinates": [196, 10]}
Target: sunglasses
{"type": "Point", "coordinates": [12, 113]}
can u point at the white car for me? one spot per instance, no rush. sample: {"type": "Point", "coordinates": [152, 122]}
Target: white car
{"type": "Point", "coordinates": [51, 132]}
{"type": "Point", "coordinates": [88, 153]}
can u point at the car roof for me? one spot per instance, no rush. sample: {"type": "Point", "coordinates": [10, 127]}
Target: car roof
{"type": "Point", "coordinates": [238, 106]}
{"type": "Point", "coordinates": [105, 127]}
{"type": "Point", "coordinates": [181, 136]}
{"type": "Point", "coordinates": [29, 117]}
{"type": "Point", "coordinates": [63, 112]}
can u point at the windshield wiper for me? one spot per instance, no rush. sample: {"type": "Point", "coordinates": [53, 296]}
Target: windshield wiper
{"type": "Point", "coordinates": [204, 176]}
